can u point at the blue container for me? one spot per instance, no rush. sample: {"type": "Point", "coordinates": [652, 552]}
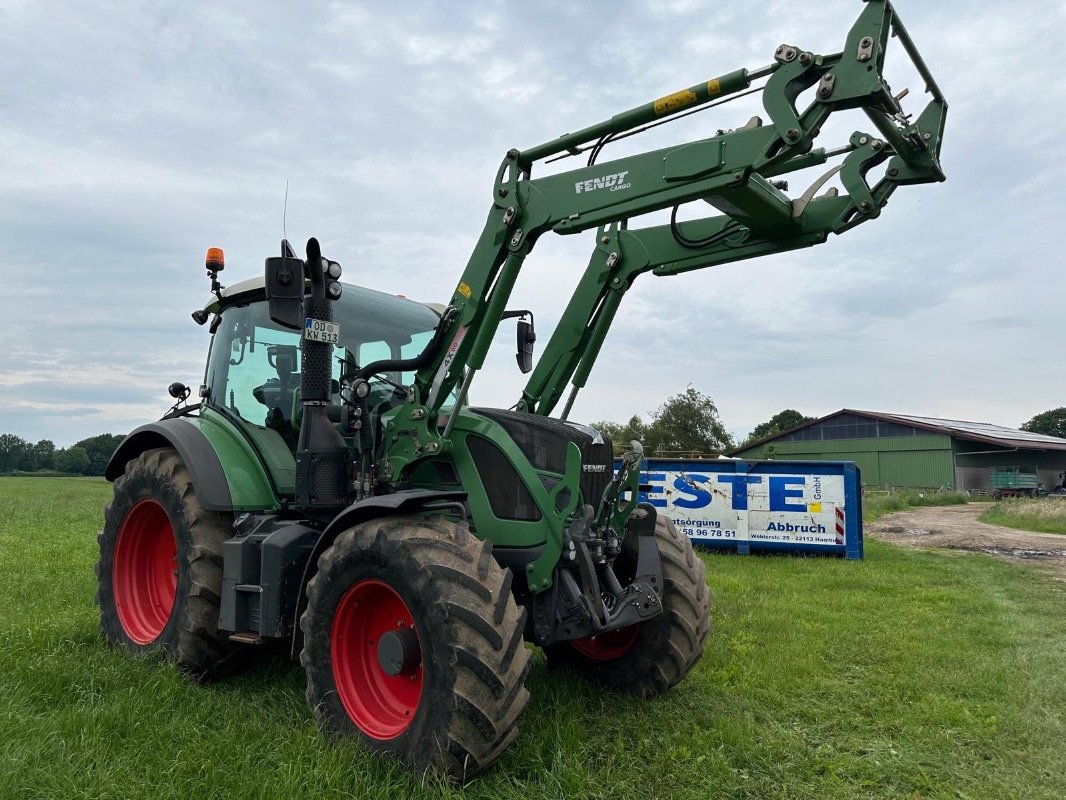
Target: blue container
{"type": "Point", "coordinates": [760, 506]}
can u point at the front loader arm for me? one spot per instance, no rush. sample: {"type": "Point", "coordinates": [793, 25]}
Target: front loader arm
{"type": "Point", "coordinates": [622, 254]}
{"type": "Point", "coordinates": [734, 171]}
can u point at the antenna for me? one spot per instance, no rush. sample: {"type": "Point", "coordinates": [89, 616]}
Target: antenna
{"type": "Point", "coordinates": [284, 212]}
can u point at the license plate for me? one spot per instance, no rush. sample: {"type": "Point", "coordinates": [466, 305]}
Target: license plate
{"type": "Point", "coordinates": [316, 330]}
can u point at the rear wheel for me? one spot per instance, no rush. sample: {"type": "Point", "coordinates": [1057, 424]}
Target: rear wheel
{"type": "Point", "coordinates": [413, 644]}
{"type": "Point", "coordinates": [648, 658]}
{"type": "Point", "coordinates": [160, 569]}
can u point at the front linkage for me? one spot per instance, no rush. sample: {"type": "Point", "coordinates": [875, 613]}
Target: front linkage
{"type": "Point", "coordinates": [593, 601]}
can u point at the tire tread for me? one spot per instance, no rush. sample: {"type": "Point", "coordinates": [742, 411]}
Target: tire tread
{"type": "Point", "coordinates": [194, 643]}
{"type": "Point", "coordinates": [480, 632]}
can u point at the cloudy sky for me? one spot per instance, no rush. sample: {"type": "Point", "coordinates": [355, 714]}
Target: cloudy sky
{"type": "Point", "coordinates": [135, 135]}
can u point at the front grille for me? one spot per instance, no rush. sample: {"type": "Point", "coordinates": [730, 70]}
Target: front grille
{"type": "Point", "coordinates": [543, 441]}
{"type": "Point", "coordinates": [508, 496]}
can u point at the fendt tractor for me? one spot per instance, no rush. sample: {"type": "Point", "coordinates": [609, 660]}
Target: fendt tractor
{"type": "Point", "coordinates": [334, 490]}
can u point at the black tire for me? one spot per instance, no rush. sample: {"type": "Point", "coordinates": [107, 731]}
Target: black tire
{"type": "Point", "coordinates": [661, 651]}
{"type": "Point", "coordinates": [473, 661]}
{"type": "Point", "coordinates": [155, 491]}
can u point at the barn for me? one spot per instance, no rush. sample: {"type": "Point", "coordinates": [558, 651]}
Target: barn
{"type": "Point", "coordinates": [925, 452]}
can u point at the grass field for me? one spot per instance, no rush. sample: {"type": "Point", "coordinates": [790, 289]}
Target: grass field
{"type": "Point", "coordinates": [1042, 514]}
{"type": "Point", "coordinates": [909, 675]}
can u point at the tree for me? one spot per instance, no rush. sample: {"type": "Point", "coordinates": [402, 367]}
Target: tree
{"type": "Point", "coordinates": [687, 423]}
{"type": "Point", "coordinates": [44, 455]}
{"type": "Point", "coordinates": [99, 449]}
{"type": "Point", "coordinates": [73, 459]}
{"type": "Point", "coordinates": [781, 421]}
{"type": "Point", "coordinates": [1050, 423]}
{"type": "Point", "coordinates": [13, 452]}
{"type": "Point", "coordinates": [622, 435]}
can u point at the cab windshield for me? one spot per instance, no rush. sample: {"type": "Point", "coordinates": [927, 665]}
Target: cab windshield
{"type": "Point", "coordinates": [253, 370]}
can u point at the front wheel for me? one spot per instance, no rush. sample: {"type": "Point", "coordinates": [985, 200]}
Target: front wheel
{"type": "Point", "coordinates": [413, 644]}
{"type": "Point", "coordinates": [648, 658]}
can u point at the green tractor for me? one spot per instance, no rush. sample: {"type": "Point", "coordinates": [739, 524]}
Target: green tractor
{"type": "Point", "coordinates": [334, 490]}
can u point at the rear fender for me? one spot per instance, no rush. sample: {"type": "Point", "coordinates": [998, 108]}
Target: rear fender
{"type": "Point", "coordinates": [204, 445]}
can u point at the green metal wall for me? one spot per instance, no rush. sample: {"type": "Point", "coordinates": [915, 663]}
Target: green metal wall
{"type": "Point", "coordinates": [921, 461]}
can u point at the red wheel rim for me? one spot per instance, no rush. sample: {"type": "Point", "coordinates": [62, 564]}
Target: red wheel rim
{"type": "Point", "coordinates": [144, 575]}
{"type": "Point", "coordinates": [380, 704]}
{"type": "Point", "coordinates": [607, 646]}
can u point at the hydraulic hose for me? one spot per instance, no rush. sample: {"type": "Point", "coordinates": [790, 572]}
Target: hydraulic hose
{"type": "Point", "coordinates": [423, 359]}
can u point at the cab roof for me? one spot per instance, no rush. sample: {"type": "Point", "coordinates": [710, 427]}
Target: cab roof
{"type": "Point", "coordinates": [255, 289]}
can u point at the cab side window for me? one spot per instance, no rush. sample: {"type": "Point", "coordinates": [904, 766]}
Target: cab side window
{"type": "Point", "coordinates": [254, 370]}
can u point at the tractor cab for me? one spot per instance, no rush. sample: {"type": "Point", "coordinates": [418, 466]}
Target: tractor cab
{"type": "Point", "coordinates": [254, 367]}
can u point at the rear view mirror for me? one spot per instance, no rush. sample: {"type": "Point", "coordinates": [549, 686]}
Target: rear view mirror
{"type": "Point", "coordinates": [526, 337]}
{"type": "Point", "coordinates": [285, 289]}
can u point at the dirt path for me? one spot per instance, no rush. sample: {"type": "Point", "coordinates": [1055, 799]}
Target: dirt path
{"type": "Point", "coordinates": [957, 527]}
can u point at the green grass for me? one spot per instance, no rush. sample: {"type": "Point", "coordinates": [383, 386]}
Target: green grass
{"type": "Point", "coordinates": [909, 675]}
{"type": "Point", "coordinates": [1042, 514]}
{"type": "Point", "coordinates": [877, 504]}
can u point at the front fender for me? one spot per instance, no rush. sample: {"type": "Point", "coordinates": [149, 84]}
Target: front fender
{"type": "Point", "coordinates": [408, 501]}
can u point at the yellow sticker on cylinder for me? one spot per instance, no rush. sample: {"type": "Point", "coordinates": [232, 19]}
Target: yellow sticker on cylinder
{"type": "Point", "coordinates": [464, 290]}
{"type": "Point", "coordinates": [672, 102]}
{"type": "Point", "coordinates": [713, 87]}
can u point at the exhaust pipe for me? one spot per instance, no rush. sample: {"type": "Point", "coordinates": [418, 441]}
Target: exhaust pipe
{"type": "Point", "coordinates": [321, 453]}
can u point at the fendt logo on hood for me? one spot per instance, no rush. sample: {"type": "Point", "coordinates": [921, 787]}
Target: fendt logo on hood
{"type": "Point", "coordinates": [594, 467]}
{"type": "Point", "coordinates": [613, 182]}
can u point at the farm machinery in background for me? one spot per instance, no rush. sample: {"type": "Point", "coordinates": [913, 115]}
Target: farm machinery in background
{"type": "Point", "coordinates": [1015, 482]}
{"type": "Point", "coordinates": [333, 488]}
